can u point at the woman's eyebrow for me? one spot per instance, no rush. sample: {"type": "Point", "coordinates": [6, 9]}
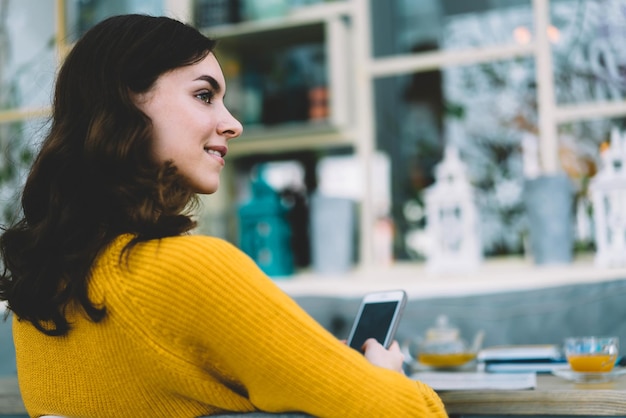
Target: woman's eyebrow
{"type": "Point", "coordinates": [213, 82]}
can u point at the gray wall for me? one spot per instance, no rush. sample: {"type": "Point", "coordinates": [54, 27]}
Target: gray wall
{"type": "Point", "coordinates": [541, 316]}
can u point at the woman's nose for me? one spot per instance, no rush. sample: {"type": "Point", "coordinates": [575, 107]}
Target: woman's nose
{"type": "Point", "coordinates": [230, 127]}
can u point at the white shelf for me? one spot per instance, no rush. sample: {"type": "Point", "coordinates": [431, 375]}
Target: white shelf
{"type": "Point", "coordinates": [290, 137]}
{"type": "Point", "coordinates": [503, 275]}
{"type": "Point", "coordinates": [494, 276]}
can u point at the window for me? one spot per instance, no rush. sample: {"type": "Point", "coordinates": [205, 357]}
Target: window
{"type": "Point", "coordinates": [469, 76]}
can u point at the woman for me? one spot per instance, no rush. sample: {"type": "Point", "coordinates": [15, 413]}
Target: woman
{"type": "Point", "coordinates": [118, 310]}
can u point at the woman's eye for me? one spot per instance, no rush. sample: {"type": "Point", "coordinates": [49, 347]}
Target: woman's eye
{"type": "Point", "coordinates": [206, 97]}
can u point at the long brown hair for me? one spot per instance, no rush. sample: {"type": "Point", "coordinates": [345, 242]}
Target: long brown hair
{"type": "Point", "coordinates": [94, 177]}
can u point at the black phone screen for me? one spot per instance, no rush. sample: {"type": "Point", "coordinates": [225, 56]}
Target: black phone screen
{"type": "Point", "coordinates": [374, 322]}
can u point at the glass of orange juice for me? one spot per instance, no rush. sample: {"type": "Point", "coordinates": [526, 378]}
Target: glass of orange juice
{"type": "Point", "coordinates": [591, 354]}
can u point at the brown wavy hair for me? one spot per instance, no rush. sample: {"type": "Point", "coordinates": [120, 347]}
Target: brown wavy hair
{"type": "Point", "coordinates": [94, 177]}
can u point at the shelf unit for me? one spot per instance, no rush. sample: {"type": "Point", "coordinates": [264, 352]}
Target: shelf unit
{"type": "Point", "coordinates": [326, 23]}
{"type": "Point", "coordinates": [340, 27]}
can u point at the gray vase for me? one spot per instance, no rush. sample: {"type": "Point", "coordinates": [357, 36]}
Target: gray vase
{"type": "Point", "coordinates": [549, 204]}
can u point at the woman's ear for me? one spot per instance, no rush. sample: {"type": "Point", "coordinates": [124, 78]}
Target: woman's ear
{"type": "Point", "coordinates": [141, 99]}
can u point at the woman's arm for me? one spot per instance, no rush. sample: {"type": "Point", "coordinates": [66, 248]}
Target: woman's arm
{"type": "Point", "coordinates": [238, 318]}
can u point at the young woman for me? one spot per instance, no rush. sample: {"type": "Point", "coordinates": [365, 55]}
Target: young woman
{"type": "Point", "coordinates": [118, 310]}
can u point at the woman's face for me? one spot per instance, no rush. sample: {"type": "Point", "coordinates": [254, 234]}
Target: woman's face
{"type": "Point", "coordinates": [191, 125]}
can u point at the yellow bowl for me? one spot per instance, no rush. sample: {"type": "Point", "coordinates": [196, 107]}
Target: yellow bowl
{"type": "Point", "coordinates": [445, 359]}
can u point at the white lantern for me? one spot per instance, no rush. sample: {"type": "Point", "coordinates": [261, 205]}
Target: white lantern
{"type": "Point", "coordinates": [608, 196]}
{"type": "Point", "coordinates": [452, 219]}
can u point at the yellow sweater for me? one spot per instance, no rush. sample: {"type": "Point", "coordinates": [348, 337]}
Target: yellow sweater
{"type": "Point", "coordinates": [195, 328]}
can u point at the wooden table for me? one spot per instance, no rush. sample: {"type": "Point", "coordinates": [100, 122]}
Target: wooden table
{"type": "Point", "coordinates": [552, 396]}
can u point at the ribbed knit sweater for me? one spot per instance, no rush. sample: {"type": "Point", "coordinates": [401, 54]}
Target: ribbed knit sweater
{"type": "Point", "coordinates": [194, 327]}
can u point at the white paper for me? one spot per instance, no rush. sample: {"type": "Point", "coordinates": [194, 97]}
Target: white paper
{"type": "Point", "coordinates": [477, 380]}
{"type": "Point", "coordinates": [520, 352]}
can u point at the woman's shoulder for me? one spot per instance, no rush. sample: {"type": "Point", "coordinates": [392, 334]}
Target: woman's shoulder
{"type": "Point", "coordinates": [200, 246]}
{"type": "Point", "coordinates": [206, 252]}
{"type": "Point", "coordinates": [198, 242]}
{"type": "Point", "coordinates": [187, 244]}
{"type": "Point", "coordinates": [187, 252]}
{"type": "Point", "coordinates": [191, 261]}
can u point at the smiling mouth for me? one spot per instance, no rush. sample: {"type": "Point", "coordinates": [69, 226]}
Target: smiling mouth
{"type": "Point", "coordinates": [215, 151]}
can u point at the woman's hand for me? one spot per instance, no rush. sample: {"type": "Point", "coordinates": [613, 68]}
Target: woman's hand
{"type": "Point", "coordinates": [376, 354]}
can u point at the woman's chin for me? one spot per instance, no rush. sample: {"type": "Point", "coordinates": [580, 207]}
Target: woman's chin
{"type": "Point", "coordinates": [207, 188]}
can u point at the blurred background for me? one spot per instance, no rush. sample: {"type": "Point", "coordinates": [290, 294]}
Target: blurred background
{"type": "Point", "coordinates": [470, 152]}
{"type": "Point", "coordinates": [437, 133]}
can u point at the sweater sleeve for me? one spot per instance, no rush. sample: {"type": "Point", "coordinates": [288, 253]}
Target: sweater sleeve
{"type": "Point", "coordinates": [222, 310]}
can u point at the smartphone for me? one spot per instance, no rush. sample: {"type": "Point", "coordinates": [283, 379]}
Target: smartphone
{"type": "Point", "coordinates": [378, 317]}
